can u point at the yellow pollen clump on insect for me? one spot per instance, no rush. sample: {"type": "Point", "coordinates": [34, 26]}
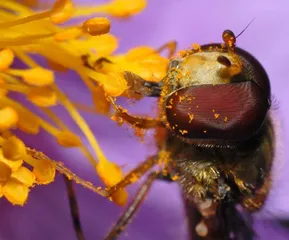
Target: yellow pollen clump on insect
{"type": "Point", "coordinates": [181, 98]}
{"type": "Point", "coordinates": [183, 132]}
{"type": "Point", "coordinates": [191, 117]}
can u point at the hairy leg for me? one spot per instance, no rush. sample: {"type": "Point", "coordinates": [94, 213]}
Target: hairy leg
{"type": "Point", "coordinates": [133, 207]}
{"type": "Point", "coordinates": [171, 46]}
{"type": "Point", "coordinates": [73, 208]}
{"type": "Point", "coordinates": [134, 175]}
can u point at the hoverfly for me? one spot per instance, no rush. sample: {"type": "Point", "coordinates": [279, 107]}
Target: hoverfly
{"type": "Point", "coordinates": [217, 138]}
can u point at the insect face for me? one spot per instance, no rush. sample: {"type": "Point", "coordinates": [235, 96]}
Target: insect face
{"type": "Point", "coordinates": [217, 93]}
{"type": "Point", "coordinates": [215, 96]}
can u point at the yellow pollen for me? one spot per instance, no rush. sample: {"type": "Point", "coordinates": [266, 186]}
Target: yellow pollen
{"type": "Point", "coordinates": [175, 177]}
{"type": "Point", "coordinates": [216, 115]}
{"type": "Point", "coordinates": [181, 98]}
{"type": "Point", "coordinates": [3, 89]}
{"type": "Point", "coordinates": [183, 132]}
{"type": "Point", "coordinates": [191, 116]}
{"type": "Point", "coordinates": [196, 47]}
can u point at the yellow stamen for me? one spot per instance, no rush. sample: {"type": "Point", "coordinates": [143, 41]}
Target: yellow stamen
{"type": "Point", "coordinates": [43, 169]}
{"type": "Point", "coordinates": [8, 118]}
{"type": "Point", "coordinates": [5, 172]}
{"type": "Point", "coordinates": [29, 115]}
{"type": "Point", "coordinates": [118, 88]}
{"type": "Point", "coordinates": [68, 139]}
{"type": "Point", "coordinates": [28, 123]}
{"type": "Point", "coordinates": [37, 76]}
{"type": "Point", "coordinates": [62, 11]}
{"type": "Point", "coordinates": [42, 97]}
{"type": "Point", "coordinates": [71, 33]}
{"type": "Point", "coordinates": [6, 58]}
{"type": "Point", "coordinates": [24, 57]}
{"type": "Point", "coordinates": [13, 148]}
{"type": "Point", "coordinates": [14, 165]}
{"type": "Point", "coordinates": [30, 3]}
{"type": "Point", "coordinates": [125, 8]}
{"type": "Point", "coordinates": [117, 8]}
{"type": "Point", "coordinates": [55, 66]}
{"type": "Point", "coordinates": [103, 45]}
{"type": "Point", "coordinates": [1, 191]}
{"type": "Point", "coordinates": [24, 20]}
{"type": "Point", "coordinates": [101, 104]}
{"type": "Point", "coordinates": [65, 48]}
{"type": "Point", "coordinates": [25, 176]}
{"type": "Point", "coordinates": [65, 171]}
{"type": "Point", "coordinates": [111, 174]}
{"type": "Point", "coordinates": [16, 192]}
{"type": "Point", "coordinates": [96, 26]}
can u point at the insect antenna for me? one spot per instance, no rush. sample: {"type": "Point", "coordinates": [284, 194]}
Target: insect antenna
{"type": "Point", "coordinates": [246, 27]}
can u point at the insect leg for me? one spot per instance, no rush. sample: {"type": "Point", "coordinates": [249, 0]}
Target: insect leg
{"type": "Point", "coordinates": [171, 46]}
{"type": "Point", "coordinates": [139, 87]}
{"type": "Point", "coordinates": [131, 210]}
{"type": "Point", "coordinates": [140, 122]}
{"type": "Point", "coordinates": [133, 175]}
{"type": "Point", "coordinates": [73, 208]}
{"type": "Point", "coordinates": [255, 202]}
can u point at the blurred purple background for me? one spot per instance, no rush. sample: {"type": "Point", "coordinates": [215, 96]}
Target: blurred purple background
{"type": "Point", "coordinates": [46, 215]}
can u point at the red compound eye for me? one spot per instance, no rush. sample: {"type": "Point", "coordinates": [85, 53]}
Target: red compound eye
{"type": "Point", "coordinates": [233, 112]}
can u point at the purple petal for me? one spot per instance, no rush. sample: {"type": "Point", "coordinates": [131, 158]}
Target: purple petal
{"type": "Point", "coordinates": [46, 215]}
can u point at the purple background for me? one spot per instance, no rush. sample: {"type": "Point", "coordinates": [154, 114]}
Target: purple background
{"type": "Point", "coordinates": [46, 215]}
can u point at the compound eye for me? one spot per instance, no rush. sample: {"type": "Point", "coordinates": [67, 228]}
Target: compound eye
{"type": "Point", "coordinates": [174, 63]}
{"type": "Point", "coordinates": [232, 112]}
